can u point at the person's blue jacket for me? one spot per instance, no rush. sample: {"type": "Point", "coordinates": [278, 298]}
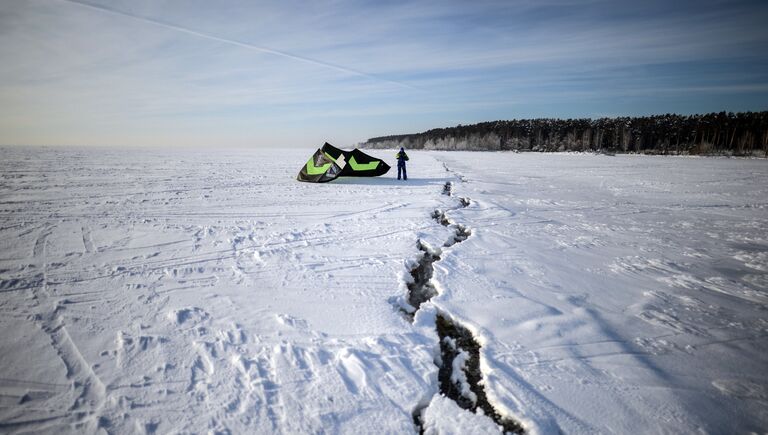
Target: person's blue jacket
{"type": "Point", "coordinates": [402, 157]}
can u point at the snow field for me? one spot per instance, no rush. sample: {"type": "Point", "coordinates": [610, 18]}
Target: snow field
{"type": "Point", "coordinates": [187, 292]}
{"type": "Point", "coordinates": [614, 294]}
{"type": "Point", "coordinates": [161, 293]}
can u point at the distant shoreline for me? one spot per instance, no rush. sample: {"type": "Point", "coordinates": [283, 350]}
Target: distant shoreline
{"type": "Point", "coordinates": [714, 134]}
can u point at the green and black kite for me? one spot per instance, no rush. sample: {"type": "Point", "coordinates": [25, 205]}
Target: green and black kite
{"type": "Point", "coordinates": [329, 163]}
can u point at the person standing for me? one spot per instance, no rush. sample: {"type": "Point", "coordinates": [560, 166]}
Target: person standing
{"type": "Point", "coordinates": [402, 157]}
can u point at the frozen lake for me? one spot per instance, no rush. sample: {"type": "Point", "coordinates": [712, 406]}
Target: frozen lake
{"type": "Point", "coordinates": [193, 291]}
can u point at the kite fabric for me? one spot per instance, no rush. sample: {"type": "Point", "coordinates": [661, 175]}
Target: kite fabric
{"type": "Point", "coordinates": [319, 169]}
{"type": "Point", "coordinates": [329, 162]}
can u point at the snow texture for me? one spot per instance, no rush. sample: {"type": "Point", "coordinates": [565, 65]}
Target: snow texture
{"type": "Point", "coordinates": [151, 291]}
{"type": "Point", "coordinates": [459, 377]}
{"type": "Point", "coordinates": [444, 417]}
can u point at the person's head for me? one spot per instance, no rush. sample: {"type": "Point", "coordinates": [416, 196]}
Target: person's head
{"type": "Point", "coordinates": [402, 149]}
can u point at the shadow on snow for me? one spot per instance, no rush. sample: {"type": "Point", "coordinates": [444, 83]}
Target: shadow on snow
{"type": "Point", "coordinates": [388, 181]}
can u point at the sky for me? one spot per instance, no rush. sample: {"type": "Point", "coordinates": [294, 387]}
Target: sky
{"type": "Point", "coordinates": [297, 73]}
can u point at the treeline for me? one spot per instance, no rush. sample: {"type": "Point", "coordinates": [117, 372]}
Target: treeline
{"type": "Point", "coordinates": [740, 134]}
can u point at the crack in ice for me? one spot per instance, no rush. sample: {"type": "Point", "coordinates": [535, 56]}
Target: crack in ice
{"type": "Point", "coordinates": [459, 375]}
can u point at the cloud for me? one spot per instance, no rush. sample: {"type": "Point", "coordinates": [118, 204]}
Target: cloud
{"type": "Point", "coordinates": [240, 44]}
{"type": "Point", "coordinates": [78, 70]}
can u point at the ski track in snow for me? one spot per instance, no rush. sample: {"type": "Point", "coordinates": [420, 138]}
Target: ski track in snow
{"type": "Point", "coordinates": [154, 292]}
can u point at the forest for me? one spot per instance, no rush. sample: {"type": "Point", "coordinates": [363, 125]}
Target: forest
{"type": "Point", "coordinates": [737, 134]}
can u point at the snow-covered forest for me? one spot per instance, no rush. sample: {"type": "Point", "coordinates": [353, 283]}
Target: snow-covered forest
{"type": "Point", "coordinates": [741, 134]}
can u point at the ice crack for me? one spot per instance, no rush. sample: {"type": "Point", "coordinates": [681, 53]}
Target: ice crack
{"type": "Point", "coordinates": [421, 289]}
{"type": "Point", "coordinates": [459, 373]}
{"type": "Point", "coordinates": [460, 377]}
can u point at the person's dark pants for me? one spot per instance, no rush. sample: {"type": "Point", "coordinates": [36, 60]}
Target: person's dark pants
{"type": "Point", "coordinates": [402, 168]}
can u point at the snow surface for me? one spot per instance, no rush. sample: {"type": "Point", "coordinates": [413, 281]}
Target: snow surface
{"type": "Point", "coordinates": [150, 291]}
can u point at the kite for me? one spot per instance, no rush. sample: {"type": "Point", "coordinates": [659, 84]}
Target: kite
{"type": "Point", "coordinates": [329, 163]}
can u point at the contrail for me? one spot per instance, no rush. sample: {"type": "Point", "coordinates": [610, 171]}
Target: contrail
{"type": "Point", "coordinates": [239, 43]}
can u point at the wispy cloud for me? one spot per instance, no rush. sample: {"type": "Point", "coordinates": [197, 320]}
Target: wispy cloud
{"type": "Point", "coordinates": [236, 43]}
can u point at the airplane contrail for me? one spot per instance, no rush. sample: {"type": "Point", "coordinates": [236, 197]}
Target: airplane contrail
{"type": "Point", "coordinates": [239, 43]}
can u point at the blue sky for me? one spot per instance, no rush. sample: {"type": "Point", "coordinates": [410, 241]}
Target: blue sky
{"type": "Point", "coordinates": [297, 73]}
